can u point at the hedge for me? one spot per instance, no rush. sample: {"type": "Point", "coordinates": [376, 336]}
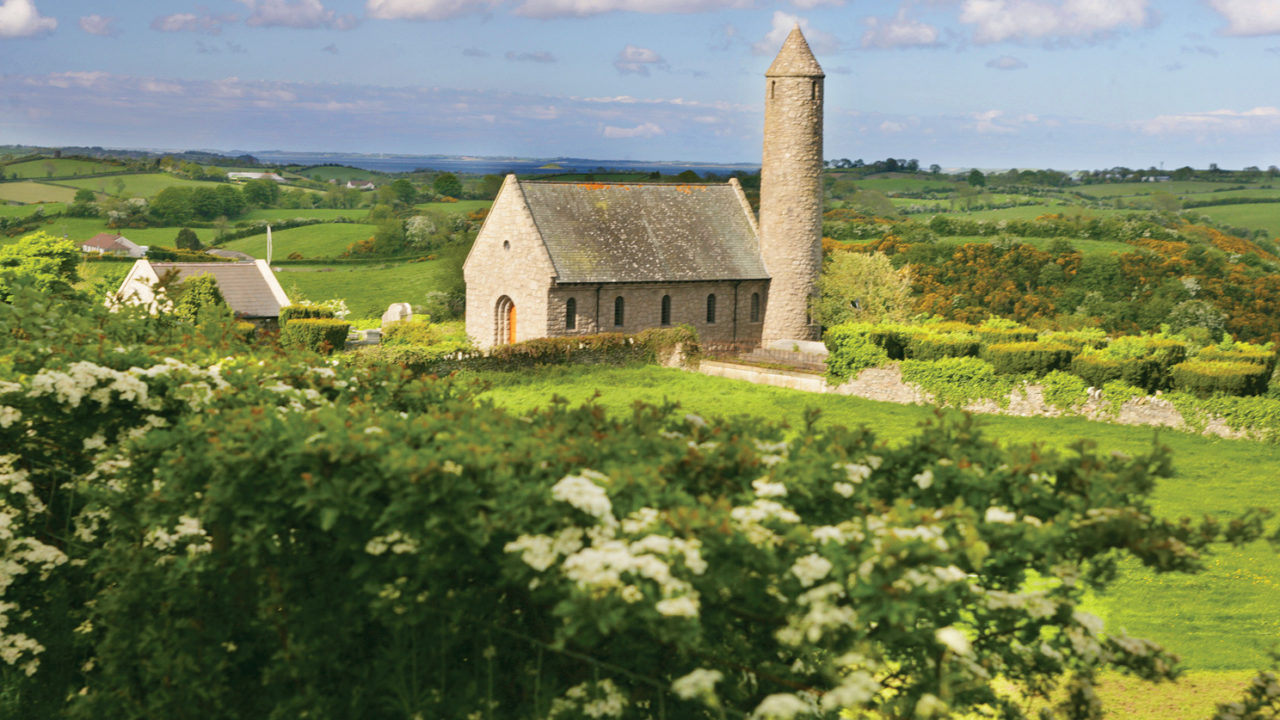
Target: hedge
{"type": "Point", "coordinates": [1098, 369]}
{"type": "Point", "coordinates": [319, 334]}
{"type": "Point", "coordinates": [1015, 358]}
{"type": "Point", "coordinates": [1207, 377]}
{"type": "Point", "coordinates": [935, 346]}
{"type": "Point", "coordinates": [851, 350]}
{"type": "Point", "coordinates": [999, 335]}
{"type": "Point", "coordinates": [304, 311]}
{"type": "Point", "coordinates": [1240, 352]}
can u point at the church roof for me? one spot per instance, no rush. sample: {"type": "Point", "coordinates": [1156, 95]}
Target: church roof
{"type": "Point", "coordinates": [795, 58]}
{"type": "Point", "coordinates": [645, 232]}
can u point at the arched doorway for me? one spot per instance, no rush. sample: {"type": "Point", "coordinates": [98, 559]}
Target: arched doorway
{"type": "Point", "coordinates": [506, 325]}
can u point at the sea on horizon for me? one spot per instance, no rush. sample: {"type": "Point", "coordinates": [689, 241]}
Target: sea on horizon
{"type": "Point", "coordinates": [499, 166]}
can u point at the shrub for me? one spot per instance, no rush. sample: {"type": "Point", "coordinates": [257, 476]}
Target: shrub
{"type": "Point", "coordinates": [935, 346]}
{"type": "Point", "coordinates": [1098, 369]}
{"type": "Point", "coordinates": [1262, 355]}
{"type": "Point", "coordinates": [1208, 377]}
{"type": "Point", "coordinates": [245, 330]}
{"type": "Point", "coordinates": [995, 336]}
{"type": "Point", "coordinates": [1116, 393]}
{"type": "Point", "coordinates": [1078, 339]}
{"type": "Point", "coordinates": [321, 335]}
{"type": "Point", "coordinates": [850, 350]}
{"type": "Point", "coordinates": [1015, 358]}
{"type": "Point", "coordinates": [1063, 390]}
{"type": "Point", "coordinates": [304, 311]}
{"type": "Point", "coordinates": [958, 381]}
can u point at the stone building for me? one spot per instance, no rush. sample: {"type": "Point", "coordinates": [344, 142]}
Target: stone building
{"type": "Point", "coordinates": [556, 258]}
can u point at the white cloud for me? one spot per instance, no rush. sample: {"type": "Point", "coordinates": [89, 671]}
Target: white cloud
{"type": "Point", "coordinates": [819, 42]}
{"type": "Point", "coordinates": [302, 14]}
{"type": "Point", "coordinates": [898, 31]}
{"type": "Point", "coordinates": [98, 25]}
{"type": "Point", "coordinates": [635, 60]}
{"type": "Point", "coordinates": [583, 8]}
{"type": "Point", "coordinates": [1000, 20]}
{"type": "Point", "coordinates": [190, 22]}
{"type": "Point", "coordinates": [1006, 62]}
{"type": "Point", "coordinates": [425, 9]}
{"type": "Point", "coordinates": [160, 86]}
{"type": "Point", "coordinates": [19, 18]}
{"type": "Point", "coordinates": [997, 123]}
{"type": "Point", "coordinates": [541, 56]}
{"type": "Point", "coordinates": [810, 4]}
{"type": "Point", "coordinates": [1258, 120]}
{"type": "Point", "coordinates": [645, 130]}
{"type": "Point", "coordinates": [76, 79]}
{"type": "Point", "coordinates": [1249, 17]}
{"type": "Point", "coordinates": [890, 126]}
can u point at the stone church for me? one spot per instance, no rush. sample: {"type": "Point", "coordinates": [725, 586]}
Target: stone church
{"type": "Point", "coordinates": [570, 258]}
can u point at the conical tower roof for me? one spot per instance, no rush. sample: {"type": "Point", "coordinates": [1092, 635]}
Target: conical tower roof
{"type": "Point", "coordinates": [795, 59]}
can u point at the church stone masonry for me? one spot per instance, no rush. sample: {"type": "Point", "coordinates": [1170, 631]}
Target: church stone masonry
{"type": "Point", "coordinates": [791, 189]}
{"type": "Point", "coordinates": [561, 259]}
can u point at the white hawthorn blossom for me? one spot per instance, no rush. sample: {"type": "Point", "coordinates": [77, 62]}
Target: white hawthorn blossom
{"type": "Point", "coordinates": [954, 640]}
{"type": "Point", "coordinates": [781, 706]}
{"type": "Point", "coordinates": [582, 493]}
{"type": "Point", "coordinates": [999, 515]}
{"type": "Point", "coordinates": [811, 568]}
{"type": "Point", "coordinates": [697, 685]}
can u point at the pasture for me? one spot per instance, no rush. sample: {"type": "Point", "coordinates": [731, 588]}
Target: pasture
{"type": "Point", "coordinates": [369, 288]}
{"type": "Point", "coordinates": [310, 241]}
{"type": "Point", "coordinates": [33, 192]}
{"type": "Point", "coordinates": [461, 207]}
{"type": "Point", "coordinates": [145, 185]}
{"type": "Point", "coordinates": [57, 167]}
{"type": "Point", "coordinates": [1176, 187]}
{"type": "Point", "coordinates": [341, 173]}
{"type": "Point", "coordinates": [894, 183]}
{"type": "Point", "coordinates": [274, 214]}
{"type": "Point", "coordinates": [26, 210]}
{"type": "Point", "coordinates": [1265, 216]}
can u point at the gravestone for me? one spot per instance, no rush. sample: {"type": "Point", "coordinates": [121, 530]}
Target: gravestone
{"type": "Point", "coordinates": [397, 312]}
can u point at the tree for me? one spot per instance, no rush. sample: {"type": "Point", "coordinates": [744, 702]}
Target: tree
{"type": "Point", "coordinates": [205, 202]}
{"type": "Point", "coordinates": [491, 184]}
{"type": "Point", "coordinates": [187, 240]}
{"type": "Point", "coordinates": [261, 192]}
{"type": "Point", "coordinates": [404, 191]}
{"type": "Point", "coordinates": [195, 296]}
{"type": "Point", "coordinates": [934, 169]}
{"type": "Point", "coordinates": [688, 176]}
{"type": "Point", "coordinates": [447, 184]}
{"type": "Point", "coordinates": [83, 205]}
{"type": "Point", "coordinates": [861, 287]}
{"type": "Point", "coordinates": [874, 202]}
{"type": "Point", "coordinates": [40, 259]}
{"type": "Point", "coordinates": [172, 206]}
{"type": "Point", "coordinates": [231, 201]}
{"type": "Point", "coordinates": [976, 178]}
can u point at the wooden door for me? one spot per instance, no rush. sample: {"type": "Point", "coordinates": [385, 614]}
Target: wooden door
{"type": "Point", "coordinates": [511, 323]}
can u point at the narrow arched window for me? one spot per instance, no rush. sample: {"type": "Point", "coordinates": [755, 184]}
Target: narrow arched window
{"type": "Point", "coordinates": [773, 85]}
{"type": "Point", "coordinates": [755, 307]}
{"type": "Point", "coordinates": [666, 309]}
{"type": "Point", "coordinates": [618, 311]}
{"type": "Point", "coordinates": [711, 308]}
{"type": "Point", "coordinates": [570, 314]}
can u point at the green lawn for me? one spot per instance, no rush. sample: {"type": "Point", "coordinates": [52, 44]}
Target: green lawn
{"type": "Point", "coordinates": [1031, 212]}
{"type": "Point", "coordinates": [370, 288]}
{"type": "Point", "coordinates": [460, 207]}
{"type": "Point", "coordinates": [145, 185]}
{"type": "Point", "coordinates": [341, 173]}
{"type": "Point", "coordinates": [84, 228]}
{"type": "Point", "coordinates": [108, 272]}
{"type": "Point", "coordinates": [1250, 193]}
{"type": "Point", "coordinates": [311, 241]}
{"type": "Point", "coordinates": [38, 169]}
{"type": "Point", "coordinates": [1253, 216]}
{"type": "Point", "coordinates": [1222, 619]}
{"type": "Point", "coordinates": [32, 192]}
{"type": "Point", "coordinates": [25, 210]}
{"type": "Point", "coordinates": [318, 213]}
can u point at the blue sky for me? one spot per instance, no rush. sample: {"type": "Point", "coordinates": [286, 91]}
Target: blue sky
{"type": "Point", "coordinates": [1068, 84]}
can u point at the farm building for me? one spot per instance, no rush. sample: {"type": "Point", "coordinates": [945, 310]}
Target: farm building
{"type": "Point", "coordinates": [112, 244]}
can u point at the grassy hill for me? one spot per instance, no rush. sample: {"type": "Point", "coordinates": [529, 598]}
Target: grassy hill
{"type": "Point", "coordinates": [33, 192]}
{"type": "Point", "coordinates": [145, 185]}
{"type": "Point", "coordinates": [311, 241]}
{"type": "Point", "coordinates": [57, 168]}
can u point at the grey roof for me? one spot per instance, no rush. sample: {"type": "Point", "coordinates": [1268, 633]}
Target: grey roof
{"type": "Point", "coordinates": [795, 58]}
{"type": "Point", "coordinates": [619, 232]}
{"type": "Point", "coordinates": [241, 284]}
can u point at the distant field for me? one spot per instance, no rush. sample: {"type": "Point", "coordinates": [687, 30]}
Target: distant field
{"type": "Point", "coordinates": [320, 213]}
{"type": "Point", "coordinates": [1250, 193]}
{"type": "Point", "coordinates": [1086, 247]}
{"type": "Point", "coordinates": [1031, 212]}
{"type": "Point", "coordinates": [893, 183]}
{"type": "Point", "coordinates": [25, 210]}
{"type": "Point", "coordinates": [1262, 215]}
{"type": "Point", "coordinates": [78, 229]}
{"type": "Point", "coordinates": [31, 192]}
{"type": "Point", "coordinates": [146, 185]}
{"type": "Point", "coordinates": [369, 289]}
{"type": "Point", "coordinates": [341, 173]}
{"type": "Point", "coordinates": [1177, 187]}
{"type": "Point", "coordinates": [632, 177]}
{"type": "Point", "coordinates": [37, 169]}
{"type": "Point", "coordinates": [461, 207]}
{"type": "Point", "coordinates": [312, 241]}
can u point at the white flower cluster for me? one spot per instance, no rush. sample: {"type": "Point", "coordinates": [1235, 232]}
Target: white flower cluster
{"type": "Point", "coordinates": [821, 613]}
{"type": "Point", "coordinates": [752, 517]}
{"type": "Point", "coordinates": [601, 567]}
{"type": "Point", "coordinates": [781, 706]}
{"type": "Point", "coordinates": [95, 381]}
{"type": "Point", "coordinates": [764, 488]}
{"type": "Point", "coordinates": [397, 542]}
{"type": "Point", "coordinates": [9, 416]}
{"type": "Point", "coordinates": [601, 699]}
{"type": "Point", "coordinates": [19, 554]}
{"type": "Point", "coordinates": [811, 568]}
{"type": "Point", "coordinates": [698, 685]}
{"type": "Point", "coordinates": [1037, 605]}
{"type": "Point", "coordinates": [999, 515]}
{"type": "Point", "coordinates": [582, 492]}
{"type": "Point", "coordinates": [187, 530]}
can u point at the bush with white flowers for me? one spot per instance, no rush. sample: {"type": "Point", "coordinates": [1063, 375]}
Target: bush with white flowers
{"type": "Point", "coordinates": [193, 527]}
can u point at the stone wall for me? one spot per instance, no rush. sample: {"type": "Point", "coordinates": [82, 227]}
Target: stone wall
{"type": "Point", "coordinates": [642, 308]}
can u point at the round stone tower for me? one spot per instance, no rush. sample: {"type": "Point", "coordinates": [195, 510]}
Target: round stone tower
{"type": "Point", "coordinates": [791, 190]}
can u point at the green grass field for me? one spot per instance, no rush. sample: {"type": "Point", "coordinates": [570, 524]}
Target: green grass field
{"type": "Point", "coordinates": [62, 167]}
{"type": "Point", "coordinates": [1086, 247]}
{"type": "Point", "coordinates": [318, 213]}
{"type": "Point", "coordinates": [311, 241]}
{"type": "Point", "coordinates": [1176, 187]}
{"type": "Point", "coordinates": [1222, 619]}
{"type": "Point", "coordinates": [25, 210]}
{"type": "Point", "coordinates": [370, 288]}
{"type": "Point", "coordinates": [341, 173]}
{"type": "Point", "coordinates": [1031, 212]}
{"type": "Point", "coordinates": [146, 185]}
{"type": "Point", "coordinates": [32, 192]}
{"type": "Point", "coordinates": [108, 272]}
{"type": "Point", "coordinates": [1250, 193]}
{"type": "Point", "coordinates": [903, 183]}
{"type": "Point", "coordinates": [1265, 216]}
{"type": "Point", "coordinates": [460, 207]}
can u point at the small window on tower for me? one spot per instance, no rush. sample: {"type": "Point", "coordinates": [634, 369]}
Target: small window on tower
{"type": "Point", "coordinates": [773, 85]}
{"type": "Point", "coordinates": [619, 311]}
{"type": "Point", "coordinates": [813, 90]}
{"type": "Point", "coordinates": [666, 310]}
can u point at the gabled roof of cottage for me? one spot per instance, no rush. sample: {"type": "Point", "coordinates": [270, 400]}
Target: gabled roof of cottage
{"type": "Point", "coordinates": [246, 286]}
{"type": "Point", "coordinates": [105, 241]}
{"type": "Point", "coordinates": [795, 59]}
{"type": "Point", "coordinates": [645, 232]}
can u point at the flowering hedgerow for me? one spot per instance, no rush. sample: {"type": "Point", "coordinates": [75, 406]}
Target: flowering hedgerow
{"type": "Point", "coordinates": [192, 526]}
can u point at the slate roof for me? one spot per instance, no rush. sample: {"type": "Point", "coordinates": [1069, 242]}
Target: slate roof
{"type": "Point", "coordinates": [660, 232]}
{"type": "Point", "coordinates": [795, 59]}
{"type": "Point", "coordinates": [241, 283]}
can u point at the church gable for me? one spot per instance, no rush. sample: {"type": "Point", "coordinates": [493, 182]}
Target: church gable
{"type": "Point", "coordinates": [616, 232]}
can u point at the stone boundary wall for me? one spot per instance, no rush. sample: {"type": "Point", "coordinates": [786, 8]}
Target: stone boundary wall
{"type": "Point", "coordinates": [885, 384]}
